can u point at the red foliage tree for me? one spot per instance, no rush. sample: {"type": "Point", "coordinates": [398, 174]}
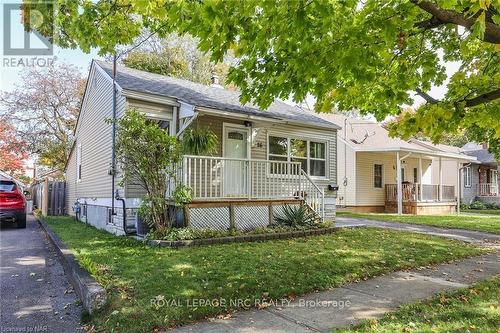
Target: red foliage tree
{"type": "Point", "coordinates": [12, 150]}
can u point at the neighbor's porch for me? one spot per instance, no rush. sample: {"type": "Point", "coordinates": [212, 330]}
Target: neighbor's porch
{"type": "Point", "coordinates": [488, 181]}
{"type": "Point", "coordinates": [416, 195]}
{"type": "Point", "coordinates": [421, 199]}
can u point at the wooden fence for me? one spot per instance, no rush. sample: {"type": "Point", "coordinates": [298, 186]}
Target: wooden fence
{"type": "Point", "coordinates": [50, 197]}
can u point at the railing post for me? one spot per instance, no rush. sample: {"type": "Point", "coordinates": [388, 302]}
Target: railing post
{"type": "Point", "coordinates": [299, 194]}
{"type": "Point", "coordinates": [249, 179]}
{"type": "Point", "coordinates": [184, 171]}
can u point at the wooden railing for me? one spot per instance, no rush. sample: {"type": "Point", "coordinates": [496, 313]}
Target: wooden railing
{"type": "Point", "coordinates": [487, 190]}
{"type": "Point", "coordinates": [419, 193]}
{"type": "Point", "coordinates": [233, 178]}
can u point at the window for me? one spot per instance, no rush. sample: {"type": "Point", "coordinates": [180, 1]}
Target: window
{"type": "Point", "coordinates": [403, 175]}
{"type": "Point", "coordinates": [378, 172]}
{"type": "Point", "coordinates": [310, 154]}
{"type": "Point", "coordinates": [7, 186]}
{"type": "Point", "coordinates": [467, 177]}
{"type": "Point", "coordinates": [415, 175]}
{"type": "Point", "coordinates": [79, 162]}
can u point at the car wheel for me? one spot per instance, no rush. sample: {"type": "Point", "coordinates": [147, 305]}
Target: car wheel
{"type": "Point", "coordinates": [21, 222]}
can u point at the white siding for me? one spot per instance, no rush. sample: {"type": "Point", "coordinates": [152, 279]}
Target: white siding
{"type": "Point", "coordinates": [346, 166]}
{"type": "Point", "coordinates": [367, 194]}
{"type": "Point", "coordinates": [449, 170]}
{"type": "Point", "coordinates": [94, 135]}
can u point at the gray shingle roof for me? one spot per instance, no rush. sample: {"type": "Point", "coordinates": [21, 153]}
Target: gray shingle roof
{"type": "Point", "coordinates": [482, 155]}
{"type": "Point", "coordinates": [206, 96]}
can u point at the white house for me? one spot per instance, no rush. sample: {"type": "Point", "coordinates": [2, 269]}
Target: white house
{"type": "Point", "coordinates": [377, 173]}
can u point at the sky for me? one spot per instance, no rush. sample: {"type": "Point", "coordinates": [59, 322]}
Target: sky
{"type": "Point", "coordinates": [11, 75]}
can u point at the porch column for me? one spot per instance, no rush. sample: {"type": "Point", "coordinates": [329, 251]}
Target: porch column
{"type": "Point", "coordinates": [420, 194]}
{"type": "Point", "coordinates": [399, 184]}
{"type": "Point", "coordinates": [440, 180]}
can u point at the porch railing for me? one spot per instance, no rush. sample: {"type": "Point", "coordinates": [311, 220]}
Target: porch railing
{"type": "Point", "coordinates": [420, 193]}
{"type": "Point", "coordinates": [232, 178]}
{"type": "Point", "coordinates": [487, 190]}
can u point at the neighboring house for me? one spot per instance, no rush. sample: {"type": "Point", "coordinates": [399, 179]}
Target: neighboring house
{"type": "Point", "coordinates": [377, 173]}
{"type": "Point", "coordinates": [265, 159]}
{"type": "Point", "coordinates": [480, 178]}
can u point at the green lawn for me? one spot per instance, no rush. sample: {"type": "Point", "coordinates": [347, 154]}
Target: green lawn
{"type": "Point", "coordinates": [482, 211]}
{"type": "Point", "coordinates": [135, 274]}
{"type": "Point", "coordinates": [475, 309]}
{"type": "Point", "coordinates": [469, 222]}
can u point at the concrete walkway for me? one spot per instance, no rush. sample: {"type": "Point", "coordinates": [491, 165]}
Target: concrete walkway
{"type": "Point", "coordinates": [350, 304]}
{"type": "Point", "coordinates": [469, 236]}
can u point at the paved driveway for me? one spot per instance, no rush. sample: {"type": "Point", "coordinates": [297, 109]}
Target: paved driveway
{"type": "Point", "coordinates": [35, 295]}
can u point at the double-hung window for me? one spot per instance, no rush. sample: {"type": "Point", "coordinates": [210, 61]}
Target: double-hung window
{"type": "Point", "coordinates": [378, 172]}
{"type": "Point", "coordinates": [309, 153]}
{"type": "Point", "coordinates": [467, 177]}
{"type": "Point", "coordinates": [79, 162]}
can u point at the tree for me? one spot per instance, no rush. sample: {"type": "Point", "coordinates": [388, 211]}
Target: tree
{"type": "Point", "coordinates": [176, 56]}
{"type": "Point", "coordinates": [367, 55]}
{"type": "Point", "coordinates": [148, 154]}
{"type": "Point", "coordinates": [44, 109]}
{"type": "Point", "coordinates": [12, 150]}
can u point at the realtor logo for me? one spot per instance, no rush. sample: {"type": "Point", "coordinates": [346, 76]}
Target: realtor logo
{"type": "Point", "coordinates": [23, 19]}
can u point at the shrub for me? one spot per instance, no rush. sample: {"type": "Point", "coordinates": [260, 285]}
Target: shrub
{"type": "Point", "coordinates": [294, 216]}
{"type": "Point", "coordinates": [477, 205]}
{"type": "Point", "coordinates": [149, 154]}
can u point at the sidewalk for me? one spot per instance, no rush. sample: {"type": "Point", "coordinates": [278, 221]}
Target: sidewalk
{"type": "Point", "coordinates": [350, 304]}
{"type": "Point", "coordinates": [469, 236]}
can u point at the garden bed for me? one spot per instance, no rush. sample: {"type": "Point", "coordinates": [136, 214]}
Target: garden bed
{"type": "Point", "coordinates": [250, 237]}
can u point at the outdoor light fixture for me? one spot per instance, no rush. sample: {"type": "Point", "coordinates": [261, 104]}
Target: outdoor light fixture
{"type": "Point", "coordinates": [247, 123]}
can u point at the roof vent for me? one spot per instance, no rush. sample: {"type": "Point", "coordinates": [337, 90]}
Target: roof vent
{"type": "Point", "coordinates": [215, 81]}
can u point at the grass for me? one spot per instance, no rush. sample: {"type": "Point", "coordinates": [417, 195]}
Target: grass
{"type": "Point", "coordinates": [135, 274]}
{"type": "Point", "coordinates": [469, 222]}
{"type": "Point", "coordinates": [483, 211]}
{"type": "Point", "coordinates": [474, 309]}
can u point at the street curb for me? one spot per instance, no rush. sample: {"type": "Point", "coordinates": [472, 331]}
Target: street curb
{"type": "Point", "coordinates": [91, 293]}
{"type": "Point", "coordinates": [245, 238]}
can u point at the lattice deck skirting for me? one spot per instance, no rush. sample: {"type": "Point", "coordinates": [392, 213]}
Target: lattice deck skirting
{"type": "Point", "coordinates": [239, 215]}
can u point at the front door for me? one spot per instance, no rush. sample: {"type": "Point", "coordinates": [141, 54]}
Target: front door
{"type": "Point", "coordinates": [235, 171]}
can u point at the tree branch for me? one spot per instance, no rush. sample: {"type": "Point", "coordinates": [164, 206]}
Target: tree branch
{"type": "Point", "coordinates": [484, 98]}
{"type": "Point", "coordinates": [443, 16]}
{"type": "Point", "coordinates": [428, 98]}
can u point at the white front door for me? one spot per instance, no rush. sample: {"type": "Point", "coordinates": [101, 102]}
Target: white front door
{"type": "Point", "coordinates": [235, 171]}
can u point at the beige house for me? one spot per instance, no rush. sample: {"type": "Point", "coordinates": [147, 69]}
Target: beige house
{"type": "Point", "coordinates": [265, 159]}
{"type": "Point", "coordinates": [377, 173]}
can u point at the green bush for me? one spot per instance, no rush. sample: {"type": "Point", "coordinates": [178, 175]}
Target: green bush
{"type": "Point", "coordinates": [477, 205]}
{"type": "Point", "coordinates": [294, 216]}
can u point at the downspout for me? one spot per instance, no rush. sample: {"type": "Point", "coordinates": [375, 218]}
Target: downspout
{"type": "Point", "coordinates": [113, 144]}
{"type": "Point", "coordinates": [124, 220]}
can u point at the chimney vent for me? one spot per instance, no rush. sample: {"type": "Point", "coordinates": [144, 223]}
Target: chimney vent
{"type": "Point", "coordinates": [215, 81]}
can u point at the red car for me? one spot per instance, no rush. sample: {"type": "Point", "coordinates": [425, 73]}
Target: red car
{"type": "Point", "coordinates": [12, 203]}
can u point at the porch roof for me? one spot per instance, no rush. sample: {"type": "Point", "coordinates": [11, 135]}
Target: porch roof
{"type": "Point", "coordinates": [205, 96]}
{"type": "Point", "coordinates": [368, 136]}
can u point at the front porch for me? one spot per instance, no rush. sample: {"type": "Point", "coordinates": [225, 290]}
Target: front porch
{"type": "Point", "coordinates": [421, 199]}
{"type": "Point", "coordinates": [244, 193]}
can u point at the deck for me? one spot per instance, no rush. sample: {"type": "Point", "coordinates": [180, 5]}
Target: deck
{"type": "Point", "coordinates": [421, 199]}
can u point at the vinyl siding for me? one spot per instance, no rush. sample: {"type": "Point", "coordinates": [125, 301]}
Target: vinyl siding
{"type": "Point", "coordinates": [367, 194]}
{"type": "Point", "coordinates": [449, 168]}
{"type": "Point", "coordinates": [346, 166]}
{"type": "Point", "coordinates": [95, 136]}
{"type": "Point", "coordinates": [133, 189]}
{"type": "Point", "coordinates": [260, 131]}
{"type": "Point", "coordinates": [71, 183]}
